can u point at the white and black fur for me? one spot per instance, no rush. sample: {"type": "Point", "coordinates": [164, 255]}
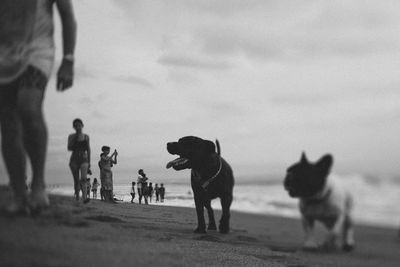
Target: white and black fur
{"type": "Point", "coordinates": [321, 199]}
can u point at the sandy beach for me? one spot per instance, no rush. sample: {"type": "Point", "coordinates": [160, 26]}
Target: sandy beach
{"type": "Point", "coordinates": [70, 233]}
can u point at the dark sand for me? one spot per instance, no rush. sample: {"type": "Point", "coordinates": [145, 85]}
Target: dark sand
{"type": "Point", "coordinates": [102, 234]}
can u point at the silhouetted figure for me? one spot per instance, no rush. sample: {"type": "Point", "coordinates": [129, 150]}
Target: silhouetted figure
{"type": "Point", "coordinates": [151, 191]}
{"type": "Point", "coordinates": [95, 185]}
{"type": "Point", "coordinates": [162, 192]}
{"type": "Point", "coordinates": [157, 191]}
{"type": "Point", "coordinates": [140, 184]}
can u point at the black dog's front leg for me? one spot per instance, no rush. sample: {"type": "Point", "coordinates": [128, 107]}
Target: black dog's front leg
{"type": "Point", "coordinates": [226, 202]}
{"type": "Point", "coordinates": [210, 212]}
{"type": "Point", "coordinates": [201, 224]}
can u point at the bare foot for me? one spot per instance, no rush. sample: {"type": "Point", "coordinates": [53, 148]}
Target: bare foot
{"type": "Point", "coordinates": [38, 201]}
{"type": "Point", "coordinates": [16, 208]}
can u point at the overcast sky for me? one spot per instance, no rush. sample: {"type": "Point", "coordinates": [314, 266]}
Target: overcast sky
{"type": "Point", "coordinates": [269, 79]}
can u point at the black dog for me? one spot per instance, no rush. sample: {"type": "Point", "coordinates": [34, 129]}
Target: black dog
{"type": "Point", "coordinates": [322, 199]}
{"type": "Point", "coordinates": [211, 177]}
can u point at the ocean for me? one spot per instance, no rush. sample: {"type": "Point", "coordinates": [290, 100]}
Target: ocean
{"type": "Point", "coordinates": [376, 200]}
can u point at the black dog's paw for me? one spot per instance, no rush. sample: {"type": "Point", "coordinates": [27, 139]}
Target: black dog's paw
{"type": "Point", "coordinates": [212, 226]}
{"type": "Point", "coordinates": [224, 226]}
{"type": "Point", "coordinates": [348, 247]}
{"type": "Point", "coordinates": [199, 230]}
{"type": "Point", "coordinates": [224, 229]}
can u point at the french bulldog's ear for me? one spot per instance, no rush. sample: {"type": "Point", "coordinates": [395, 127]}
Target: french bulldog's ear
{"type": "Point", "coordinates": [324, 165]}
{"type": "Point", "coordinates": [209, 147]}
{"type": "Point", "coordinates": [303, 158]}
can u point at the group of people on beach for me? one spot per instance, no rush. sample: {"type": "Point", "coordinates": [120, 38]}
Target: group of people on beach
{"type": "Point", "coordinates": [145, 189]}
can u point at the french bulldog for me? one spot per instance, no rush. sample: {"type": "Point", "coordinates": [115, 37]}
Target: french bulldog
{"type": "Point", "coordinates": [321, 199]}
{"type": "Point", "coordinates": [211, 177]}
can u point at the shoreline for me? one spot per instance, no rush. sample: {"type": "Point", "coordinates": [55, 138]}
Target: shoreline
{"type": "Point", "coordinates": [70, 233]}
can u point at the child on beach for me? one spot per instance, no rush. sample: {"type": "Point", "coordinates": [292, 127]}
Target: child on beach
{"type": "Point", "coordinates": [105, 164]}
{"type": "Point", "coordinates": [133, 191]}
{"type": "Point", "coordinates": [79, 162]}
{"type": "Point", "coordinates": [26, 61]}
{"type": "Point", "coordinates": [94, 188]}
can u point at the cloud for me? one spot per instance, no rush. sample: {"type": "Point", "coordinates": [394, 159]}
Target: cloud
{"type": "Point", "coordinates": [305, 99]}
{"type": "Point", "coordinates": [223, 108]}
{"type": "Point", "coordinates": [228, 42]}
{"type": "Point", "coordinates": [131, 79]}
{"type": "Point", "coordinates": [192, 62]}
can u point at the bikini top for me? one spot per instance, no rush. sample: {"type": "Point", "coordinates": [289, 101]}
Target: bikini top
{"type": "Point", "coordinates": [81, 145]}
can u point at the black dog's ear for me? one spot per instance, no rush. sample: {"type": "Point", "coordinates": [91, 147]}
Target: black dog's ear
{"type": "Point", "coordinates": [303, 158]}
{"type": "Point", "coordinates": [324, 165]}
{"type": "Point", "coordinates": [209, 147]}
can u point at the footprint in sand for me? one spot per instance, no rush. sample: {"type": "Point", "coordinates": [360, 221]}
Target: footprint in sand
{"type": "Point", "coordinates": [103, 218]}
{"type": "Point", "coordinates": [208, 238]}
{"type": "Point", "coordinates": [246, 238]}
{"type": "Point", "coordinates": [165, 239]}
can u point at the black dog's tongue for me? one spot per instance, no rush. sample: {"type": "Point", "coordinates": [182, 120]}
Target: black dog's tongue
{"type": "Point", "coordinates": [177, 162]}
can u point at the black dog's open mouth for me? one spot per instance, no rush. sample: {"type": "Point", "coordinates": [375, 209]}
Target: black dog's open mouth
{"type": "Point", "coordinates": [178, 164]}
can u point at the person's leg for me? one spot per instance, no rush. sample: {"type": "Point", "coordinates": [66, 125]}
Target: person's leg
{"type": "Point", "coordinates": [139, 190]}
{"type": "Point", "coordinates": [29, 106]}
{"type": "Point", "coordinates": [13, 147]}
{"type": "Point", "coordinates": [75, 174]}
{"type": "Point", "coordinates": [83, 181]}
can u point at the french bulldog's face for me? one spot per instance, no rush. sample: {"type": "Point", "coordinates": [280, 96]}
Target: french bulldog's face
{"type": "Point", "coordinates": [191, 150]}
{"type": "Point", "coordinates": [305, 179]}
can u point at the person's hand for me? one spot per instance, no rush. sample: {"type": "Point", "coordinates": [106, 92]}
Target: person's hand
{"type": "Point", "coordinates": [65, 75]}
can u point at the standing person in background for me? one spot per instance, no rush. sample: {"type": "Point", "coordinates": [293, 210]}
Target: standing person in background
{"type": "Point", "coordinates": [26, 60]}
{"type": "Point", "coordinates": [157, 190]}
{"type": "Point", "coordinates": [162, 192]}
{"type": "Point", "coordinates": [133, 191]}
{"type": "Point", "coordinates": [79, 161]}
{"type": "Point", "coordinates": [94, 188]}
{"type": "Point", "coordinates": [106, 162]}
{"type": "Point", "coordinates": [151, 191]}
{"type": "Point", "coordinates": [140, 184]}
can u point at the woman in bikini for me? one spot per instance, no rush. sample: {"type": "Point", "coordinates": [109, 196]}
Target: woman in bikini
{"type": "Point", "coordinates": [79, 163]}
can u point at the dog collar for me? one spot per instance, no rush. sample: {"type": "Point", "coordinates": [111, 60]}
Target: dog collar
{"type": "Point", "coordinates": [206, 183]}
{"type": "Point", "coordinates": [320, 196]}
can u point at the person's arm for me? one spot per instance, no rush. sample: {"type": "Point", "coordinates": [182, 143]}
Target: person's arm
{"type": "Point", "coordinates": [115, 157]}
{"type": "Point", "coordinates": [71, 142]}
{"type": "Point", "coordinates": [65, 73]}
